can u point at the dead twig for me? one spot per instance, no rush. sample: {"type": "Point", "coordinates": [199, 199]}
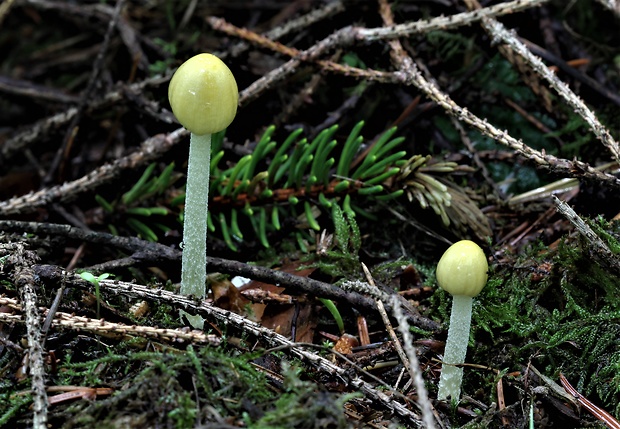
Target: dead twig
{"type": "Point", "coordinates": [410, 74]}
{"type": "Point", "coordinates": [23, 276]}
{"type": "Point", "coordinates": [598, 245]}
{"type": "Point", "coordinates": [499, 33]}
{"type": "Point", "coordinates": [102, 327]}
{"type": "Point", "coordinates": [144, 251]}
{"type": "Point", "coordinates": [90, 87]}
{"type": "Point", "coordinates": [233, 320]}
{"type": "Point", "coordinates": [597, 412]}
{"type": "Point", "coordinates": [351, 34]}
{"type": "Point", "coordinates": [36, 131]}
{"type": "Point", "coordinates": [150, 150]}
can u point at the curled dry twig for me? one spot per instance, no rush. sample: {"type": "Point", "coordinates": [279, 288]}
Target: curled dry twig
{"type": "Point", "coordinates": [597, 412]}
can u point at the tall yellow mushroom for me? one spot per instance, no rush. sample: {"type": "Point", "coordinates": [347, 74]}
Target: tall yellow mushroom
{"type": "Point", "coordinates": [203, 95]}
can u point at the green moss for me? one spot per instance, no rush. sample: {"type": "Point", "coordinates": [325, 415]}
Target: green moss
{"type": "Point", "coordinates": [300, 406]}
{"type": "Point", "coordinates": [168, 389]}
{"type": "Point", "coordinates": [11, 405]}
{"type": "Point", "coordinates": [342, 259]}
{"type": "Point", "coordinates": [556, 310]}
{"type": "Point", "coordinates": [608, 231]}
{"type": "Point", "coordinates": [180, 389]}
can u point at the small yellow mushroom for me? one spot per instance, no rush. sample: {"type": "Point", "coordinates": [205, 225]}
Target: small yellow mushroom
{"type": "Point", "coordinates": [462, 271]}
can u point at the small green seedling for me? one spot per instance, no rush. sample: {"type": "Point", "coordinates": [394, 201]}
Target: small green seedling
{"type": "Point", "coordinates": [331, 307]}
{"type": "Point", "coordinates": [91, 278]}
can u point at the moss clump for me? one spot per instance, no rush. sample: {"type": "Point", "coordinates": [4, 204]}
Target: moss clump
{"type": "Point", "coordinates": [179, 389]}
{"type": "Point", "coordinates": [301, 406]}
{"type": "Point", "coordinates": [558, 311]}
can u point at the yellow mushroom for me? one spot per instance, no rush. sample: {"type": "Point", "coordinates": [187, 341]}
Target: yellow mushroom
{"type": "Point", "coordinates": [203, 95]}
{"type": "Point", "coordinates": [462, 271]}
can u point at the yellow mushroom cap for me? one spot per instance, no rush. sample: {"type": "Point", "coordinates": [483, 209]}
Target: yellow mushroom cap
{"type": "Point", "coordinates": [203, 94]}
{"type": "Point", "coordinates": [462, 270]}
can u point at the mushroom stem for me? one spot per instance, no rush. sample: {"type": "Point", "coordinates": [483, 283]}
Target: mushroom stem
{"type": "Point", "coordinates": [194, 259]}
{"type": "Point", "coordinates": [456, 348]}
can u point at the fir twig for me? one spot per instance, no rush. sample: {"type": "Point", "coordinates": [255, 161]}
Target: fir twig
{"type": "Point", "coordinates": [349, 35]}
{"type": "Point", "coordinates": [408, 356]}
{"type": "Point", "coordinates": [87, 94]}
{"type": "Point", "coordinates": [148, 252]}
{"type": "Point", "coordinates": [410, 349]}
{"type": "Point", "coordinates": [540, 158]}
{"type": "Point", "coordinates": [445, 22]}
{"type": "Point", "coordinates": [476, 157]}
{"type": "Point", "coordinates": [34, 132]}
{"type": "Point", "coordinates": [410, 74]}
{"type": "Point", "coordinates": [296, 24]}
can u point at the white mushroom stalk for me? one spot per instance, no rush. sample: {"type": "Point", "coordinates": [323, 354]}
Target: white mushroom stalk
{"type": "Point", "coordinates": [194, 257]}
{"type": "Point", "coordinates": [462, 271]}
{"type": "Point", "coordinates": [203, 95]}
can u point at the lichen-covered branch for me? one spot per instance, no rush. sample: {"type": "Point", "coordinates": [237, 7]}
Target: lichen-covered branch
{"type": "Point", "coordinates": [105, 328]}
{"type": "Point", "coordinates": [23, 276]}
{"type": "Point", "coordinates": [238, 322]}
{"type": "Point", "coordinates": [540, 158]}
{"type": "Point", "coordinates": [500, 34]}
